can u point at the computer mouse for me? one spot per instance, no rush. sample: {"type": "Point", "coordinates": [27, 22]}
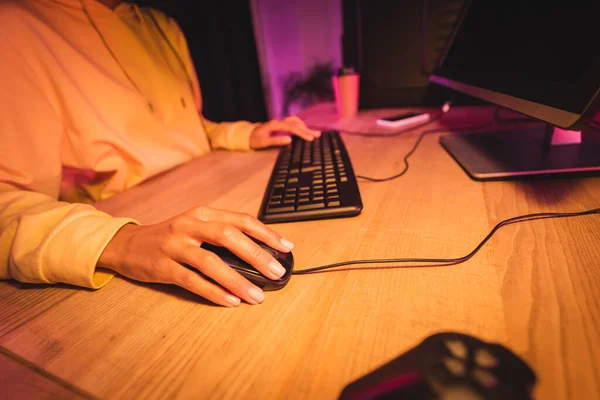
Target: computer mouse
{"type": "Point", "coordinates": [251, 273]}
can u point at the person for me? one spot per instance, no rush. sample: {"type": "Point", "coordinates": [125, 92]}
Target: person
{"type": "Point", "coordinates": [97, 96]}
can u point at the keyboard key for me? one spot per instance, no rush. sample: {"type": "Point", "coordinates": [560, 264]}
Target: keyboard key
{"type": "Point", "coordinates": [311, 206]}
{"type": "Point", "coordinates": [304, 182]}
{"type": "Point", "coordinates": [280, 209]}
{"type": "Point", "coordinates": [311, 168]}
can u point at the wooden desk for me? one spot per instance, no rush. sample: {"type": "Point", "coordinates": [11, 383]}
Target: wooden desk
{"type": "Point", "coordinates": [534, 287]}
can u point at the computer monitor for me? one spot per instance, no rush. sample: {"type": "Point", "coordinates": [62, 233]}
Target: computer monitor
{"type": "Point", "coordinates": [541, 59]}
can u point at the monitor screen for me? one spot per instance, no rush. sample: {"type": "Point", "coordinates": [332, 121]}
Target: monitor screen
{"type": "Point", "coordinates": [537, 57]}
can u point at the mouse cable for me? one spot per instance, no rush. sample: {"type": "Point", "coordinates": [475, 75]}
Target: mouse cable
{"type": "Point", "coordinates": [438, 130]}
{"type": "Point", "coordinates": [452, 261]}
{"type": "Point", "coordinates": [444, 110]}
{"type": "Point", "coordinates": [416, 144]}
{"type": "Point", "coordinates": [347, 132]}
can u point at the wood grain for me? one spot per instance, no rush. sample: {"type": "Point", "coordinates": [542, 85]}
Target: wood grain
{"type": "Point", "coordinates": [550, 298]}
{"type": "Point", "coordinates": [534, 287]}
{"type": "Point", "coordinates": [20, 302]}
{"type": "Point", "coordinates": [19, 381]}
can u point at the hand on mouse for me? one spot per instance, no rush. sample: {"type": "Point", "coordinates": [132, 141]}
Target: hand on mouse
{"type": "Point", "coordinates": [265, 135]}
{"type": "Point", "coordinates": [155, 253]}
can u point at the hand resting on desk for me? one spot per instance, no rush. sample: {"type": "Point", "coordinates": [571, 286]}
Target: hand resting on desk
{"type": "Point", "coordinates": [264, 135]}
{"type": "Point", "coordinates": [155, 253]}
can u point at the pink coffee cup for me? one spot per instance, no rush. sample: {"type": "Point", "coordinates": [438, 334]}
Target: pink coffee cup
{"type": "Point", "coordinates": [346, 85]}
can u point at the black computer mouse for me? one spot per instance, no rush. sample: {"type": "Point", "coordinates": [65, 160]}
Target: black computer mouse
{"type": "Point", "coordinates": [251, 273]}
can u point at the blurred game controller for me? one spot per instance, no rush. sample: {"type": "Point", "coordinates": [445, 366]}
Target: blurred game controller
{"type": "Point", "coordinates": [448, 366]}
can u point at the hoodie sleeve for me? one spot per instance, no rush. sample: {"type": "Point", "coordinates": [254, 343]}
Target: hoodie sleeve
{"type": "Point", "coordinates": [42, 240]}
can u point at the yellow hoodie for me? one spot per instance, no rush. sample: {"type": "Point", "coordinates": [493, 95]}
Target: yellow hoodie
{"type": "Point", "coordinates": [90, 104]}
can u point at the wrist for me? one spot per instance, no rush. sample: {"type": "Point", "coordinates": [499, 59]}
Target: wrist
{"type": "Point", "coordinates": [253, 139]}
{"type": "Point", "coordinates": [112, 254]}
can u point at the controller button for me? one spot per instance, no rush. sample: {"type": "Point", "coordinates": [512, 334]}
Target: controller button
{"type": "Point", "coordinates": [454, 366]}
{"type": "Point", "coordinates": [485, 378]}
{"type": "Point", "coordinates": [460, 393]}
{"type": "Point", "coordinates": [485, 359]}
{"type": "Point", "coordinates": [457, 348]}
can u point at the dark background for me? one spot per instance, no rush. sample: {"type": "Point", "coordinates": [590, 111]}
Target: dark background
{"type": "Point", "coordinates": [394, 45]}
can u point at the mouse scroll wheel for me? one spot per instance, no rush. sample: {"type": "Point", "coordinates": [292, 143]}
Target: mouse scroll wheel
{"type": "Point", "coordinates": [270, 251]}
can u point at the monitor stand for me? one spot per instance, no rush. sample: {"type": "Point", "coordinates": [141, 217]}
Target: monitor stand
{"type": "Point", "coordinates": [539, 151]}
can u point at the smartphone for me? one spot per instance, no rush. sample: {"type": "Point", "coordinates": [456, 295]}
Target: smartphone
{"type": "Point", "coordinates": [403, 120]}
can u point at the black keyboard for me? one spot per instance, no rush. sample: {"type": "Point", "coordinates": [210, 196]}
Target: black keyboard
{"type": "Point", "coordinates": [311, 180]}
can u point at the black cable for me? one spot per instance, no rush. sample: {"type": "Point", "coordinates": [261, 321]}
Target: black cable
{"type": "Point", "coordinates": [378, 134]}
{"type": "Point", "coordinates": [457, 260]}
{"type": "Point", "coordinates": [414, 127]}
{"type": "Point", "coordinates": [414, 148]}
{"type": "Point", "coordinates": [446, 107]}
{"type": "Point", "coordinates": [420, 138]}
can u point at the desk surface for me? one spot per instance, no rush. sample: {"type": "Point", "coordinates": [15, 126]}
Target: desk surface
{"type": "Point", "coordinates": [534, 287]}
